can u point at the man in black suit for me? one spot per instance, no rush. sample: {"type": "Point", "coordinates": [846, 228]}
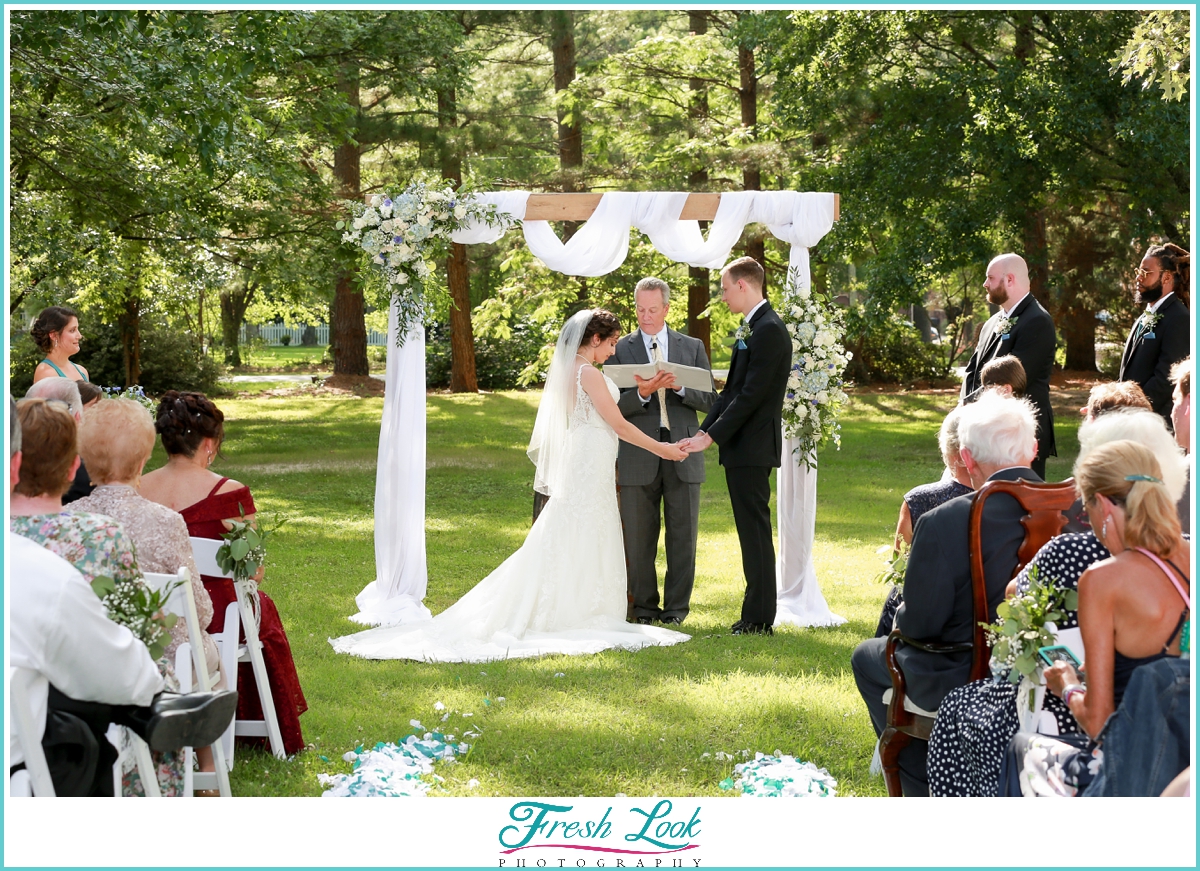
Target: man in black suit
{"type": "Point", "coordinates": [1161, 336]}
{"type": "Point", "coordinates": [651, 486]}
{"type": "Point", "coordinates": [1024, 329]}
{"type": "Point", "coordinates": [746, 422]}
{"type": "Point", "coordinates": [996, 436]}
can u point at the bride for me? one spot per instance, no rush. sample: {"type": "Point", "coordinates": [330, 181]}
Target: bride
{"type": "Point", "coordinates": [564, 590]}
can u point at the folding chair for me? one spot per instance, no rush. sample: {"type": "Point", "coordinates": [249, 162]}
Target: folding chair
{"type": "Point", "coordinates": [189, 660]}
{"type": "Point", "coordinates": [205, 552]}
{"type": "Point", "coordinates": [34, 779]}
{"type": "Point", "coordinates": [1044, 506]}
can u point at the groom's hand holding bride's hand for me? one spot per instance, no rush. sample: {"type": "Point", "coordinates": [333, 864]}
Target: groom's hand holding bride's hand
{"type": "Point", "coordinates": [672, 451]}
{"type": "Point", "coordinates": [696, 443]}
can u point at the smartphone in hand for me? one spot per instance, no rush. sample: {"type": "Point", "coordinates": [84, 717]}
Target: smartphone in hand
{"type": "Point", "coordinates": [1057, 653]}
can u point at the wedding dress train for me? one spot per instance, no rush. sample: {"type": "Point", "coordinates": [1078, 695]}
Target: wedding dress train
{"type": "Point", "coordinates": [562, 592]}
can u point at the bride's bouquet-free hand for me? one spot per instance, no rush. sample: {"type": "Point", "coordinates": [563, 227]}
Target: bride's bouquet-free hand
{"type": "Point", "coordinates": [814, 397]}
{"type": "Point", "coordinates": [400, 236]}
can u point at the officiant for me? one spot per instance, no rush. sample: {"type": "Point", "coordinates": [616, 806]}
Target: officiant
{"type": "Point", "coordinates": [654, 491]}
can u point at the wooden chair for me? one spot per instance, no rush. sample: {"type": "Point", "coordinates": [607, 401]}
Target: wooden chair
{"type": "Point", "coordinates": [1044, 506]}
{"type": "Point", "coordinates": [189, 662]}
{"type": "Point", "coordinates": [205, 552]}
{"type": "Point", "coordinates": [34, 778]}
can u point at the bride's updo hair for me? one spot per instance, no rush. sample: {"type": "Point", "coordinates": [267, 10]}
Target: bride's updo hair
{"type": "Point", "coordinates": [184, 419]}
{"type": "Point", "coordinates": [603, 324]}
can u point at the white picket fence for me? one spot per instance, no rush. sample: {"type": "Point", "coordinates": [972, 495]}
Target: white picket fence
{"type": "Point", "coordinates": [273, 334]}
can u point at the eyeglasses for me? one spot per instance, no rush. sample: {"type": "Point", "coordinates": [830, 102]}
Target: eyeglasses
{"type": "Point", "coordinates": [1146, 273]}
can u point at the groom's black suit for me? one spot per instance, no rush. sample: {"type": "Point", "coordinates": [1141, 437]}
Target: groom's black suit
{"type": "Point", "coordinates": [746, 422]}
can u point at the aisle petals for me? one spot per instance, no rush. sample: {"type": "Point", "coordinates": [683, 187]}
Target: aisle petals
{"type": "Point", "coordinates": [780, 776]}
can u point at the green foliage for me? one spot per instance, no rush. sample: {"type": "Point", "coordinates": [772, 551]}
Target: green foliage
{"type": "Point", "coordinates": [129, 602]}
{"type": "Point", "coordinates": [1159, 51]}
{"type": "Point", "coordinates": [896, 561]}
{"type": "Point", "coordinates": [171, 360]}
{"type": "Point", "coordinates": [1021, 628]}
{"type": "Point", "coordinates": [499, 363]}
{"type": "Point", "coordinates": [888, 349]}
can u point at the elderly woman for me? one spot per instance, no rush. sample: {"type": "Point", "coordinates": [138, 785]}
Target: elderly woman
{"type": "Point", "coordinates": [95, 544]}
{"type": "Point", "coordinates": [976, 722]}
{"type": "Point", "coordinates": [118, 437]}
{"type": "Point", "coordinates": [56, 333]}
{"type": "Point", "coordinates": [918, 500]}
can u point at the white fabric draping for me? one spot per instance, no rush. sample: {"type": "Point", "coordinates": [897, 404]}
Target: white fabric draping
{"type": "Point", "coordinates": [798, 595]}
{"type": "Point", "coordinates": [598, 247]}
{"type": "Point", "coordinates": [401, 576]}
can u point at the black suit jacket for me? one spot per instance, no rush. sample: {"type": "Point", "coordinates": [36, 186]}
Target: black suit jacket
{"type": "Point", "coordinates": [746, 421]}
{"type": "Point", "coordinates": [1149, 354]}
{"type": "Point", "coordinates": [1032, 341]}
{"type": "Point", "coordinates": [937, 586]}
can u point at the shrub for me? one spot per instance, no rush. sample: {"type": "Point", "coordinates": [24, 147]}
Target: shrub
{"type": "Point", "coordinates": [889, 350]}
{"type": "Point", "coordinates": [285, 339]}
{"type": "Point", "coordinates": [170, 360]}
{"type": "Point", "coordinates": [498, 362]}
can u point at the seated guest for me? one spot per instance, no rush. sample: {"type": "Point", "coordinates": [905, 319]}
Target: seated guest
{"type": "Point", "coordinates": [94, 544]}
{"type": "Point", "coordinates": [66, 390]}
{"type": "Point", "coordinates": [1005, 374]}
{"type": "Point", "coordinates": [975, 722]}
{"type": "Point", "coordinates": [1134, 606]}
{"type": "Point", "coordinates": [90, 670]}
{"type": "Point", "coordinates": [192, 429]}
{"type": "Point", "coordinates": [1181, 422]}
{"type": "Point", "coordinates": [118, 438]}
{"type": "Point", "coordinates": [998, 442]}
{"type": "Point", "coordinates": [1112, 395]}
{"type": "Point", "coordinates": [920, 499]}
{"type": "Point", "coordinates": [89, 393]}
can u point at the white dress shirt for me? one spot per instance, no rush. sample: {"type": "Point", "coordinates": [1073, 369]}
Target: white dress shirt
{"type": "Point", "coordinates": [58, 628]}
{"type": "Point", "coordinates": [750, 314]}
{"type": "Point", "coordinates": [1153, 307]}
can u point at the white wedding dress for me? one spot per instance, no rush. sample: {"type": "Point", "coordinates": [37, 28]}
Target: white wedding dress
{"type": "Point", "coordinates": [562, 592]}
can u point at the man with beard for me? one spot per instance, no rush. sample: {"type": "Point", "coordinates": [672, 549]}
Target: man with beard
{"type": "Point", "coordinates": [1024, 329]}
{"type": "Point", "coordinates": [1160, 337]}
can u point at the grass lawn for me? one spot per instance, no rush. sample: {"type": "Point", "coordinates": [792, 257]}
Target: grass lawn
{"type": "Point", "coordinates": [635, 723]}
{"type": "Point", "coordinates": [278, 358]}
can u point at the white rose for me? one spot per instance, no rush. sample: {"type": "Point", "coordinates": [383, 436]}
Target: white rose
{"type": "Point", "coordinates": [376, 201]}
{"type": "Point", "coordinates": [823, 397]}
{"type": "Point", "coordinates": [386, 211]}
{"type": "Point", "coordinates": [460, 212]}
{"type": "Point", "coordinates": [401, 278]}
{"type": "Point", "coordinates": [387, 226]}
{"type": "Point", "coordinates": [805, 293]}
{"type": "Point", "coordinates": [358, 224]}
{"type": "Point", "coordinates": [424, 219]}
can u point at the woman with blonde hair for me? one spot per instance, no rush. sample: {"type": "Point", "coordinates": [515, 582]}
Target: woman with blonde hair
{"type": "Point", "coordinates": [1133, 611]}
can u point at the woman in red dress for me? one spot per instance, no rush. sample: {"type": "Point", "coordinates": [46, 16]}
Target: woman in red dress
{"type": "Point", "coordinates": [192, 429]}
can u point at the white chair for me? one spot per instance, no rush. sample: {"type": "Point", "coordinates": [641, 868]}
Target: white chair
{"type": "Point", "coordinates": [189, 660]}
{"type": "Point", "coordinates": [34, 780]}
{"type": "Point", "coordinates": [205, 552]}
{"type": "Point", "coordinates": [131, 748]}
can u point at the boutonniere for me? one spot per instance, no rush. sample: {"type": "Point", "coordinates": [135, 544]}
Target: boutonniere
{"type": "Point", "coordinates": [1004, 325]}
{"type": "Point", "coordinates": [742, 334]}
{"type": "Point", "coordinates": [1149, 322]}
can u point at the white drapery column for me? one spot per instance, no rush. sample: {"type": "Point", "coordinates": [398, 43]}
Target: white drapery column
{"type": "Point", "coordinates": [599, 246]}
{"type": "Point", "coordinates": [401, 574]}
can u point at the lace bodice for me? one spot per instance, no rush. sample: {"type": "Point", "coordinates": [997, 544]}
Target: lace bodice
{"type": "Point", "coordinates": [584, 413]}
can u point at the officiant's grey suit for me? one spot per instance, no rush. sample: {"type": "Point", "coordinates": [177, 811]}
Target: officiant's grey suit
{"type": "Point", "coordinates": [647, 480]}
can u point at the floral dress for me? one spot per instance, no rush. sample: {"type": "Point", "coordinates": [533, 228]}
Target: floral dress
{"type": "Point", "coordinates": [97, 545]}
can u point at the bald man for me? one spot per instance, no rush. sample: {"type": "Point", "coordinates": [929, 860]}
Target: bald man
{"type": "Point", "coordinates": [1021, 328]}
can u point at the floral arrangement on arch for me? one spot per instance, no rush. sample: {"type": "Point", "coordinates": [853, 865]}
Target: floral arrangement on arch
{"type": "Point", "coordinates": [400, 236]}
{"type": "Point", "coordinates": [814, 398]}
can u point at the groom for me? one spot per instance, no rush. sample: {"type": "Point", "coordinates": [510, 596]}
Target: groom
{"type": "Point", "coordinates": [650, 485]}
{"type": "Point", "coordinates": [746, 422]}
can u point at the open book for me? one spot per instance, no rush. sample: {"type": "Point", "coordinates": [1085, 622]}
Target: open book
{"type": "Point", "coordinates": [685, 376]}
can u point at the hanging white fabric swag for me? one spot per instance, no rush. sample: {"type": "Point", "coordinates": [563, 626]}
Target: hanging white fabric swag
{"type": "Point", "coordinates": [599, 247]}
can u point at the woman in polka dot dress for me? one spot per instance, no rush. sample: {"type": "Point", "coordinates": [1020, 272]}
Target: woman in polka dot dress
{"type": "Point", "coordinates": [975, 722]}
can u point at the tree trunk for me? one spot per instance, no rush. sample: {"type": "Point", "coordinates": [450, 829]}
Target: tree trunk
{"type": "Point", "coordinates": [751, 176]}
{"type": "Point", "coordinates": [1079, 255]}
{"type": "Point", "coordinates": [698, 277]}
{"type": "Point", "coordinates": [348, 327]}
{"type": "Point", "coordinates": [570, 123]}
{"type": "Point", "coordinates": [1037, 255]}
{"type": "Point", "coordinates": [462, 337]}
{"type": "Point", "coordinates": [234, 302]}
{"type": "Point", "coordinates": [130, 324]}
